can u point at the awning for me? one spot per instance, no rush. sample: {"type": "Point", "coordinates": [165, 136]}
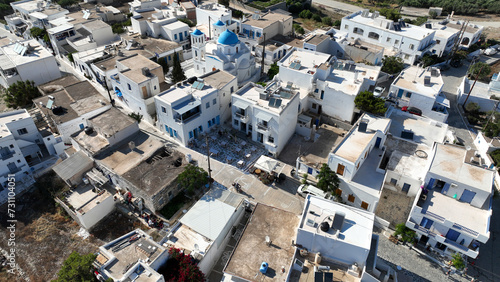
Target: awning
{"type": "Point", "coordinates": [266, 164]}
{"type": "Point", "coordinates": [442, 101]}
{"type": "Point", "coordinates": [240, 104]}
{"type": "Point", "coordinates": [263, 116]}
{"type": "Point", "coordinates": [187, 106]}
{"type": "Point", "coordinates": [76, 163]}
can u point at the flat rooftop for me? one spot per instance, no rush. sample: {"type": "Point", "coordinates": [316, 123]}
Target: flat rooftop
{"type": "Point", "coordinates": [408, 158]}
{"type": "Point", "coordinates": [252, 250]}
{"type": "Point", "coordinates": [316, 153]}
{"type": "Point", "coordinates": [11, 116]}
{"type": "Point", "coordinates": [288, 40]}
{"type": "Point", "coordinates": [251, 92]}
{"type": "Point", "coordinates": [337, 272]}
{"type": "Point", "coordinates": [267, 20]}
{"type": "Point", "coordinates": [126, 255]}
{"type": "Point", "coordinates": [464, 214]}
{"type": "Point", "coordinates": [316, 39]}
{"type": "Point", "coordinates": [358, 43]}
{"type": "Point", "coordinates": [216, 10]}
{"type": "Point", "coordinates": [83, 198]}
{"type": "Point", "coordinates": [217, 78]}
{"type": "Point", "coordinates": [175, 25]}
{"type": "Point", "coordinates": [148, 47]}
{"type": "Point", "coordinates": [356, 141]}
{"type": "Point", "coordinates": [425, 131]}
{"type": "Point", "coordinates": [106, 64]}
{"type": "Point", "coordinates": [309, 60]}
{"type": "Point", "coordinates": [449, 162]}
{"type": "Point", "coordinates": [135, 64]}
{"type": "Point", "coordinates": [186, 239]}
{"type": "Point", "coordinates": [120, 121]}
{"type": "Point", "coordinates": [413, 80]}
{"type": "Point", "coordinates": [357, 227]}
{"type": "Point", "coordinates": [121, 158]}
{"type": "Point", "coordinates": [57, 84]}
{"type": "Point", "coordinates": [457, 25]}
{"type": "Point", "coordinates": [178, 93]}
{"type": "Point", "coordinates": [34, 52]}
{"type": "Point", "coordinates": [156, 171]}
{"type": "Point", "coordinates": [411, 31]}
{"type": "Point", "coordinates": [95, 25]}
{"type": "Point", "coordinates": [347, 77]}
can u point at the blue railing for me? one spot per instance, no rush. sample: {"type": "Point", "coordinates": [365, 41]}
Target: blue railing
{"type": "Point", "coordinates": [465, 229]}
{"type": "Point", "coordinates": [440, 218]}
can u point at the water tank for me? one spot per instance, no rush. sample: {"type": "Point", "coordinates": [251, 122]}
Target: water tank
{"type": "Point", "coordinates": [317, 258]}
{"type": "Point", "coordinates": [324, 226]}
{"type": "Point", "coordinates": [89, 130]}
{"type": "Point", "coordinates": [263, 267]}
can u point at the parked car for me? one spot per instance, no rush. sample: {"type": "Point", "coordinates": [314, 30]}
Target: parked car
{"type": "Point", "coordinates": [306, 189]}
{"type": "Point", "coordinates": [412, 110]}
{"type": "Point", "coordinates": [378, 91]}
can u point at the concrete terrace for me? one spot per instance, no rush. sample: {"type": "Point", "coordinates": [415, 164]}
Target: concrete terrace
{"type": "Point", "coordinates": [252, 250]}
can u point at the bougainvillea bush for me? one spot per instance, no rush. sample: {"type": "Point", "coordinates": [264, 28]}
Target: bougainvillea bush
{"type": "Point", "coordinates": [181, 268]}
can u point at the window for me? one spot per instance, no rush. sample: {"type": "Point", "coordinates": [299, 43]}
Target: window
{"type": "Point", "coordinates": [396, 42]}
{"type": "Point", "coordinates": [364, 205]}
{"type": "Point", "coordinates": [213, 121]}
{"type": "Point", "coordinates": [175, 36]}
{"type": "Point", "coordinates": [232, 89]}
{"type": "Point", "coordinates": [313, 105]}
{"type": "Point", "coordinates": [408, 94]}
{"type": "Point", "coordinates": [340, 169]}
{"type": "Point", "coordinates": [412, 46]}
{"type": "Point", "coordinates": [394, 181]}
{"type": "Point", "coordinates": [235, 122]}
{"type": "Point", "coordinates": [407, 56]}
{"type": "Point", "coordinates": [346, 26]}
{"type": "Point", "coordinates": [406, 187]}
{"type": "Point", "coordinates": [338, 192]}
{"type": "Point", "coordinates": [18, 161]}
{"type": "Point", "coordinates": [316, 90]}
{"type": "Point", "coordinates": [185, 33]}
{"type": "Point", "coordinates": [129, 87]}
{"type": "Point", "coordinates": [388, 39]}
{"type": "Point", "coordinates": [214, 101]}
{"type": "Point", "coordinates": [200, 128]}
{"type": "Point", "coordinates": [163, 110]}
{"type": "Point", "coordinates": [351, 198]}
{"type": "Point", "coordinates": [373, 35]}
{"type": "Point", "coordinates": [426, 223]}
{"type": "Point", "coordinates": [169, 58]}
{"type": "Point", "coordinates": [11, 145]}
{"type": "Point", "coordinates": [438, 41]}
{"type": "Point", "coordinates": [270, 139]}
{"type": "Point", "coordinates": [358, 31]}
{"type": "Point", "coordinates": [154, 87]}
{"type": "Point", "coordinates": [322, 94]}
{"type": "Point", "coordinates": [452, 235]}
{"type": "Point", "coordinates": [208, 105]}
{"type": "Point", "coordinates": [190, 134]}
{"type": "Point", "coordinates": [22, 131]}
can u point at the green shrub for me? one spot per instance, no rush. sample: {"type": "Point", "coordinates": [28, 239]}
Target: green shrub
{"type": "Point", "coordinates": [316, 17]}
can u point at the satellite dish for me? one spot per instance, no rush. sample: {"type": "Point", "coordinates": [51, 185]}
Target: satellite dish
{"type": "Point", "coordinates": [468, 148]}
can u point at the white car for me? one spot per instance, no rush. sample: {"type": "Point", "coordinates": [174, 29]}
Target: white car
{"type": "Point", "coordinates": [378, 91]}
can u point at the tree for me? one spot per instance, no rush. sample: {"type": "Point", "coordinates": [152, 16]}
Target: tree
{"type": "Point", "coordinates": [305, 14]}
{"type": "Point", "coordinates": [327, 21]}
{"type": "Point", "coordinates": [180, 268]}
{"type": "Point", "coordinates": [407, 235]}
{"type": "Point", "coordinates": [392, 65]}
{"type": "Point", "coordinates": [38, 33]}
{"type": "Point", "coordinates": [433, 14]}
{"type": "Point", "coordinates": [117, 28]}
{"type": "Point", "coordinates": [192, 178]}
{"type": "Point", "coordinates": [20, 94]}
{"type": "Point", "coordinates": [316, 18]}
{"type": "Point", "coordinates": [273, 70]}
{"type": "Point", "coordinates": [328, 180]}
{"type": "Point", "coordinates": [299, 29]}
{"type": "Point", "coordinates": [67, 3]}
{"type": "Point", "coordinates": [177, 71]}
{"type": "Point", "coordinates": [390, 14]}
{"type": "Point", "coordinates": [365, 101]}
{"type": "Point", "coordinates": [472, 107]}
{"type": "Point", "coordinates": [164, 65]}
{"type": "Point", "coordinates": [480, 70]}
{"type": "Point", "coordinates": [77, 268]}
{"type": "Point", "coordinates": [458, 261]}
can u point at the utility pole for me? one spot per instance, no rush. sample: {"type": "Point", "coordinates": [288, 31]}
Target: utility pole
{"type": "Point", "coordinates": [457, 42]}
{"type": "Point", "coordinates": [209, 29]}
{"type": "Point", "coordinates": [209, 170]}
{"type": "Point", "coordinates": [111, 100]}
{"type": "Point", "coordinates": [477, 76]}
{"type": "Point", "coordinates": [263, 55]}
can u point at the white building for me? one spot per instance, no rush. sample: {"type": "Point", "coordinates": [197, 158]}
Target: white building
{"type": "Point", "coordinates": [486, 96]}
{"type": "Point", "coordinates": [406, 41]}
{"type": "Point", "coordinates": [144, 5]}
{"type": "Point", "coordinates": [70, 38]}
{"type": "Point", "coordinates": [206, 229]}
{"type": "Point", "coordinates": [452, 212]}
{"type": "Point", "coordinates": [268, 115]}
{"type": "Point", "coordinates": [357, 159]}
{"type": "Point", "coordinates": [471, 34]}
{"type": "Point", "coordinates": [32, 13]}
{"type": "Point", "coordinates": [156, 23]}
{"type": "Point", "coordinates": [421, 88]}
{"type": "Point", "coordinates": [485, 146]}
{"type": "Point", "coordinates": [134, 256]}
{"type": "Point", "coordinates": [69, 104]}
{"type": "Point", "coordinates": [270, 24]}
{"type": "Point", "coordinates": [328, 86]}
{"type": "Point", "coordinates": [444, 37]}
{"type": "Point", "coordinates": [209, 13]}
{"type": "Point", "coordinates": [137, 82]}
{"type": "Point", "coordinates": [228, 53]}
{"type": "Point", "coordinates": [188, 110]}
{"type": "Point", "coordinates": [27, 60]}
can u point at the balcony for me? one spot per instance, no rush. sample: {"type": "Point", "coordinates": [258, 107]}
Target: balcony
{"type": "Point", "coordinates": [424, 231]}
{"type": "Point", "coordinates": [186, 119]}
{"type": "Point", "coordinates": [242, 117]}
{"type": "Point", "coordinates": [7, 155]}
{"type": "Point", "coordinates": [262, 127]}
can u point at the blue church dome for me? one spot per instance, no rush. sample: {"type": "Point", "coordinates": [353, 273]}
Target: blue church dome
{"type": "Point", "coordinates": [228, 38]}
{"type": "Point", "coordinates": [197, 32]}
{"type": "Point", "coordinates": [219, 23]}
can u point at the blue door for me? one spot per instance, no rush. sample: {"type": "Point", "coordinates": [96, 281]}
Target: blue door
{"type": "Point", "coordinates": [180, 36]}
{"type": "Point", "coordinates": [309, 170]}
{"type": "Point", "coordinates": [82, 126]}
{"type": "Point", "coordinates": [467, 196]}
{"type": "Point", "coordinates": [426, 223]}
{"type": "Point", "coordinates": [377, 142]}
{"type": "Point", "coordinates": [452, 235]}
{"type": "Point", "coordinates": [217, 120]}
{"type": "Point", "coordinates": [400, 93]}
{"type": "Point", "coordinates": [431, 183]}
{"type": "Point", "coordinates": [171, 133]}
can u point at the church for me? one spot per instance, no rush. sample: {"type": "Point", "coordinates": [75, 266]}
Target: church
{"type": "Point", "coordinates": [226, 52]}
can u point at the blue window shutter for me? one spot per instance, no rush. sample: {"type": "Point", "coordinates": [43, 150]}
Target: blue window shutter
{"type": "Point", "coordinates": [431, 183]}
{"type": "Point", "coordinates": [201, 128]}
{"type": "Point", "coordinates": [217, 120]}
{"type": "Point", "coordinates": [445, 188]}
{"type": "Point", "coordinates": [190, 134]}
{"type": "Point", "coordinates": [309, 170]}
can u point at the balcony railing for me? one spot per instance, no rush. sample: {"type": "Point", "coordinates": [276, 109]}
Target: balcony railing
{"type": "Point", "coordinates": [262, 127]}
{"type": "Point", "coordinates": [427, 232]}
{"type": "Point", "coordinates": [430, 214]}
{"type": "Point", "coordinates": [465, 229]}
{"type": "Point", "coordinates": [188, 119]}
{"type": "Point", "coordinates": [242, 117]}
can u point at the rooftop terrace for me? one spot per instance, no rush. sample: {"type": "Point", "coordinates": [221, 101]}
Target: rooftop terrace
{"type": "Point", "coordinates": [413, 80]}
{"type": "Point", "coordinates": [425, 131]}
